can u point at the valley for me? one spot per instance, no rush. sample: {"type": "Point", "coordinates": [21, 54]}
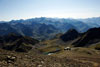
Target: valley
{"type": "Point", "coordinates": [49, 33]}
{"type": "Point", "coordinates": [47, 42]}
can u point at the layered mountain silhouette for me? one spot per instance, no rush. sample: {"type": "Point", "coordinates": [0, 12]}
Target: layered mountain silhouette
{"type": "Point", "coordinates": [36, 30]}
{"type": "Point", "coordinates": [5, 29]}
{"type": "Point", "coordinates": [45, 28]}
{"type": "Point", "coordinates": [92, 22]}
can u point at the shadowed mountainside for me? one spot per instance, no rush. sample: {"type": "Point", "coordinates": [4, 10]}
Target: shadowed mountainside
{"type": "Point", "coordinates": [82, 39]}
{"type": "Point", "coordinates": [17, 42]}
{"type": "Point", "coordinates": [70, 35]}
{"type": "Point", "coordinates": [90, 37]}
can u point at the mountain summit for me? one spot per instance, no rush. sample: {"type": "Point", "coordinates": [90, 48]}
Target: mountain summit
{"type": "Point", "coordinates": [70, 35]}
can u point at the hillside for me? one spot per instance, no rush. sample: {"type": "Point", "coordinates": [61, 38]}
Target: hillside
{"type": "Point", "coordinates": [89, 37]}
{"type": "Point", "coordinates": [17, 43]}
{"type": "Point", "coordinates": [84, 47]}
{"type": "Point", "coordinates": [18, 50]}
{"type": "Point", "coordinates": [73, 38]}
{"type": "Point", "coordinates": [33, 59]}
{"type": "Point", "coordinates": [70, 35]}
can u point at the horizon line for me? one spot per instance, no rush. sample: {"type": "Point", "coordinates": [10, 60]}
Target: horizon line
{"type": "Point", "coordinates": [51, 17]}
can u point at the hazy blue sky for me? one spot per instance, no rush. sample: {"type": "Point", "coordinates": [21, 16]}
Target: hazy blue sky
{"type": "Point", "coordinates": [23, 9]}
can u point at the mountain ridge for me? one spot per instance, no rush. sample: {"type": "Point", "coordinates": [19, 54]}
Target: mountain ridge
{"type": "Point", "coordinates": [17, 43]}
{"type": "Point", "coordinates": [44, 28]}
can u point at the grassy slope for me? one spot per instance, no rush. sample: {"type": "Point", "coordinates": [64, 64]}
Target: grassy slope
{"type": "Point", "coordinates": [84, 55]}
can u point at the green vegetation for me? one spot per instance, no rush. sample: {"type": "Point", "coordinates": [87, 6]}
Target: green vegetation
{"type": "Point", "coordinates": [50, 49]}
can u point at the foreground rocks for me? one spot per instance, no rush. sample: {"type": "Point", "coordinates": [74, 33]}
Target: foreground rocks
{"type": "Point", "coordinates": [32, 59]}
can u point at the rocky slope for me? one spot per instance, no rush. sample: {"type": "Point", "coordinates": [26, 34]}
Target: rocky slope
{"type": "Point", "coordinates": [17, 43]}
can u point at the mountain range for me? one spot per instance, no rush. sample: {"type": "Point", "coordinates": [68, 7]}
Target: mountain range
{"type": "Point", "coordinates": [46, 28]}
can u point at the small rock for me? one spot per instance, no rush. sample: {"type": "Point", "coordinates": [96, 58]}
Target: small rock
{"type": "Point", "coordinates": [39, 65]}
{"type": "Point", "coordinates": [42, 62]}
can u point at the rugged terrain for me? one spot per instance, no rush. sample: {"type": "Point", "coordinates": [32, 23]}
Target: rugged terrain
{"type": "Point", "coordinates": [34, 59]}
{"type": "Point", "coordinates": [70, 49]}
{"type": "Point", "coordinates": [46, 28]}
